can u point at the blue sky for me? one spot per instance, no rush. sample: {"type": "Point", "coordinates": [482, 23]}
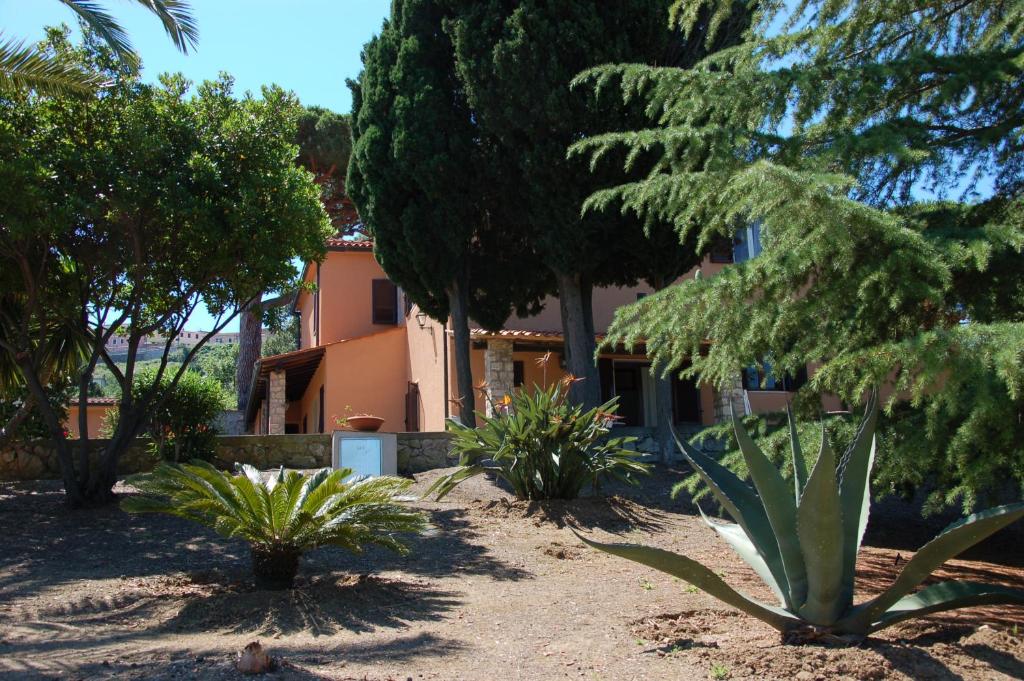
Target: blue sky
{"type": "Point", "coordinates": [307, 46]}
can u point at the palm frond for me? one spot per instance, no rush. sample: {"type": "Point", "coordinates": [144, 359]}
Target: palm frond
{"type": "Point", "coordinates": [288, 510]}
{"type": "Point", "coordinates": [175, 15]}
{"type": "Point", "coordinates": [26, 67]}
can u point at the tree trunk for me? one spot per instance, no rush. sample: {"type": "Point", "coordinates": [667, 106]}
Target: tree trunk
{"type": "Point", "coordinates": [457, 305]}
{"type": "Point", "coordinates": [579, 340]}
{"type": "Point", "coordinates": [72, 488]}
{"type": "Point", "coordinates": [663, 395]}
{"type": "Point", "coordinates": [13, 423]}
{"type": "Point", "coordinates": [250, 346]}
{"type": "Point", "coordinates": [83, 423]}
{"type": "Point", "coordinates": [100, 490]}
{"type": "Point", "coordinates": [275, 568]}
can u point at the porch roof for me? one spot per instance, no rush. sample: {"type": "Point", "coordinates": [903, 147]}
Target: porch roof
{"type": "Point", "coordinates": [299, 367]}
{"type": "Point", "coordinates": [519, 334]}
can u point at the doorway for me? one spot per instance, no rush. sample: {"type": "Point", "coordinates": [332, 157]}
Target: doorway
{"type": "Point", "coordinates": [629, 386]}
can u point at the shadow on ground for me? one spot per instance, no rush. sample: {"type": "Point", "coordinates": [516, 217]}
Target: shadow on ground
{"type": "Point", "coordinates": [46, 545]}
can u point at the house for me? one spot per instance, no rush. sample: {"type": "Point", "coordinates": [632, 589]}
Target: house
{"type": "Point", "coordinates": [97, 410]}
{"type": "Point", "coordinates": [364, 348]}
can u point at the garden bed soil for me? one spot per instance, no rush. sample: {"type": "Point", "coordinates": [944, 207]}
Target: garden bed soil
{"type": "Point", "coordinates": [499, 589]}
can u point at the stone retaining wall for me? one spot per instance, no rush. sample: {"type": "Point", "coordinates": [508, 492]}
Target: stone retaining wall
{"type": "Point", "coordinates": [37, 459]}
{"type": "Point", "coordinates": [417, 452]}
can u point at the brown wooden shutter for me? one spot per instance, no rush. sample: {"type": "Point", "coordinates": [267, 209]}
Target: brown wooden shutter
{"type": "Point", "coordinates": [412, 408]}
{"type": "Point", "coordinates": [320, 416]}
{"type": "Point", "coordinates": [316, 308]}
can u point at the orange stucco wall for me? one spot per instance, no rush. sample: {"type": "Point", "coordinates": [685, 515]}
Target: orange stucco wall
{"type": "Point", "coordinates": [95, 414]}
{"type": "Point", "coordinates": [304, 306]}
{"type": "Point", "coordinates": [426, 350]}
{"type": "Point", "coordinates": [605, 302]}
{"type": "Point", "coordinates": [346, 299]}
{"type": "Point", "coordinates": [308, 407]}
{"type": "Point", "coordinates": [369, 374]}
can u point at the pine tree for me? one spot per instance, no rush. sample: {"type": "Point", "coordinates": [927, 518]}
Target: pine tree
{"type": "Point", "coordinates": [325, 143]}
{"type": "Point", "coordinates": [878, 145]}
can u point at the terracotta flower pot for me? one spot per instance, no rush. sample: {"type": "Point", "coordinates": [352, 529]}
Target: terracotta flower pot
{"type": "Point", "coordinates": [366, 424]}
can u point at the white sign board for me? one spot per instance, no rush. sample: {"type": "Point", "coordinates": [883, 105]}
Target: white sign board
{"type": "Point", "coordinates": [365, 453]}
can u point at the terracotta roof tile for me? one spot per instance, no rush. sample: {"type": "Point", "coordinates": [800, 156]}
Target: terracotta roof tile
{"type": "Point", "coordinates": [96, 400]}
{"type": "Point", "coordinates": [515, 333]}
{"type": "Point", "coordinates": [338, 243]}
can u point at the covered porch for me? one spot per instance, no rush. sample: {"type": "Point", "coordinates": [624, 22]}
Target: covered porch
{"type": "Point", "coordinates": [278, 382]}
{"type": "Point", "coordinates": [509, 359]}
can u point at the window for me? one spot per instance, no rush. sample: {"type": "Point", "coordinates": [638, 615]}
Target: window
{"type": "Point", "coordinates": [385, 302]}
{"type": "Point", "coordinates": [748, 243]}
{"type": "Point", "coordinates": [518, 373]}
{"type": "Point", "coordinates": [762, 378]}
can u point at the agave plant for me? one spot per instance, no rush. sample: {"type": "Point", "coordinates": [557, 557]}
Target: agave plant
{"type": "Point", "coordinates": [543, 447]}
{"type": "Point", "coordinates": [283, 516]}
{"type": "Point", "coordinates": [802, 538]}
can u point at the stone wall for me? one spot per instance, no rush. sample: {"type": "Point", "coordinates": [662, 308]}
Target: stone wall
{"type": "Point", "coordinates": [499, 372]}
{"type": "Point", "coordinates": [417, 452]}
{"type": "Point", "coordinates": [230, 422]}
{"type": "Point", "coordinates": [647, 441]}
{"type": "Point", "coordinates": [37, 459]}
{"type": "Point", "coordinates": [729, 401]}
{"type": "Point", "coordinates": [274, 451]}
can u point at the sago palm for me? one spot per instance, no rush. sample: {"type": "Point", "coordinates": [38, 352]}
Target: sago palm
{"type": "Point", "coordinates": [802, 538]}
{"type": "Point", "coordinates": [25, 67]}
{"type": "Point", "coordinates": [282, 516]}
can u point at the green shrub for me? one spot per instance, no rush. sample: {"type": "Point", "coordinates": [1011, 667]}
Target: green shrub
{"type": "Point", "coordinates": [542, 446]}
{"type": "Point", "coordinates": [802, 538]}
{"type": "Point", "coordinates": [281, 517]}
{"type": "Point", "coordinates": [182, 428]}
{"type": "Point", "coordinates": [32, 426]}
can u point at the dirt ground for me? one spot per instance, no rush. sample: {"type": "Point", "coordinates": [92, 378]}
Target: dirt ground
{"type": "Point", "coordinates": [499, 590]}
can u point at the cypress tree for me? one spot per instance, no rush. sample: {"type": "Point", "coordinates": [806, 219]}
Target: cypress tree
{"type": "Point", "coordinates": [421, 176]}
{"type": "Point", "coordinates": [515, 61]}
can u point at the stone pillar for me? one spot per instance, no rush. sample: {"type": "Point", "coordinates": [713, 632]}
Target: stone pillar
{"type": "Point", "coordinates": [731, 395]}
{"type": "Point", "coordinates": [498, 372]}
{"type": "Point", "coordinates": [276, 403]}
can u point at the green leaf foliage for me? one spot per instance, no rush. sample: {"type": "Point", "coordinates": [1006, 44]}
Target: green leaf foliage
{"type": "Point", "coordinates": [285, 513]}
{"type": "Point", "coordinates": [129, 210]}
{"type": "Point", "coordinates": [816, 580]}
{"type": "Point", "coordinates": [878, 147]}
{"type": "Point", "coordinates": [543, 447]}
{"type": "Point", "coordinates": [182, 427]}
{"type": "Point", "coordinates": [424, 175]}
{"type": "Point", "coordinates": [25, 67]}
{"type": "Point", "coordinates": [515, 61]}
